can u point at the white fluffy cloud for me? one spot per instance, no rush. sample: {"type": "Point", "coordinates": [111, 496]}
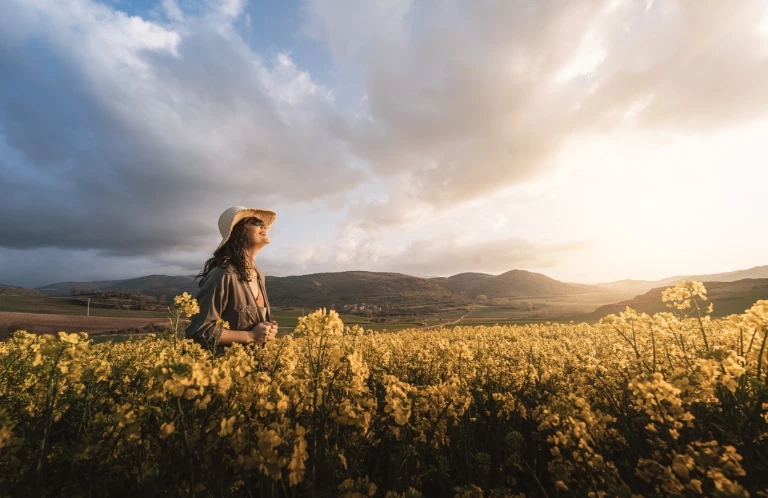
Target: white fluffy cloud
{"type": "Point", "coordinates": [466, 98]}
{"type": "Point", "coordinates": [466, 248]}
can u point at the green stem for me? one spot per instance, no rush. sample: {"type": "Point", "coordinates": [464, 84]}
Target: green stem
{"type": "Point", "coordinates": [653, 344]}
{"type": "Point", "coordinates": [701, 324]}
{"type": "Point", "coordinates": [190, 464]}
{"type": "Point", "coordinates": [50, 401]}
{"type": "Point", "coordinates": [437, 422]}
{"type": "Point", "coordinates": [760, 354]}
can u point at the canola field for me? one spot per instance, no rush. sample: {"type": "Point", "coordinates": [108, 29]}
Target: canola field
{"type": "Point", "coordinates": [674, 404]}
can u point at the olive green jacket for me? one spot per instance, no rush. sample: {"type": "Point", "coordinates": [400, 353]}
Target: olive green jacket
{"type": "Point", "coordinates": [223, 296]}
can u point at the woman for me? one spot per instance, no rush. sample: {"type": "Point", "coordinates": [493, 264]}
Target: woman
{"type": "Point", "coordinates": [232, 286]}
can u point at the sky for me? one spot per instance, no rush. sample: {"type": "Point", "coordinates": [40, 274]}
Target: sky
{"type": "Point", "coordinates": [589, 141]}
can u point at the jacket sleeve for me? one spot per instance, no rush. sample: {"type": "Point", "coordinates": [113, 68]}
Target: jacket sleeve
{"type": "Point", "coordinates": [212, 300]}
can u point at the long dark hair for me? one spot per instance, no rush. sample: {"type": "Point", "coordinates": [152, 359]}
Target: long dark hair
{"type": "Point", "coordinates": [234, 251]}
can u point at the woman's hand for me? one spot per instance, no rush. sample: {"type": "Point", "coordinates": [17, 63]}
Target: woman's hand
{"type": "Point", "coordinates": [263, 332]}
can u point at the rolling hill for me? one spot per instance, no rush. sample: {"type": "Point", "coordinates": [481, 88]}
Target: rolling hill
{"type": "Point", "coordinates": [155, 284]}
{"type": "Point", "coordinates": [151, 285]}
{"type": "Point", "coordinates": [642, 286]}
{"type": "Point", "coordinates": [14, 290]}
{"type": "Point", "coordinates": [355, 287]}
{"type": "Point", "coordinates": [515, 283]}
{"type": "Point", "coordinates": [731, 276]}
{"type": "Point", "coordinates": [728, 298]}
{"type": "Point", "coordinates": [351, 287]}
{"type": "Point", "coordinates": [404, 291]}
{"type": "Point", "coordinates": [63, 288]}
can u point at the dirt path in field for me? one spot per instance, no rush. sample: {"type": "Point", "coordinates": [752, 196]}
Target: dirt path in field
{"type": "Point", "coordinates": [50, 324]}
{"type": "Point", "coordinates": [446, 323]}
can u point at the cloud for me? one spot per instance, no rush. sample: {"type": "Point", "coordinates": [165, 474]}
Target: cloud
{"type": "Point", "coordinates": [354, 249]}
{"type": "Point", "coordinates": [445, 257]}
{"type": "Point", "coordinates": [172, 10]}
{"type": "Point", "coordinates": [466, 98]}
{"type": "Point", "coordinates": [231, 8]}
{"type": "Point", "coordinates": [43, 266]}
{"type": "Point", "coordinates": [442, 255]}
{"type": "Point", "coordinates": [120, 135]}
{"type": "Point", "coordinates": [123, 137]}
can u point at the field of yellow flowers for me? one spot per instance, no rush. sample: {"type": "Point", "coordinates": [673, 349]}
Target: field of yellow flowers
{"type": "Point", "coordinates": [674, 404]}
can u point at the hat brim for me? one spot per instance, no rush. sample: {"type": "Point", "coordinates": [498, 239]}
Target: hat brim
{"type": "Point", "coordinates": [265, 215]}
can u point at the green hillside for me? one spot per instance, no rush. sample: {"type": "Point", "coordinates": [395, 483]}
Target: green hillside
{"type": "Point", "coordinates": [728, 298]}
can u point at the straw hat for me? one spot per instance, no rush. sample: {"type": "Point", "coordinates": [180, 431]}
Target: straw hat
{"type": "Point", "coordinates": [231, 216]}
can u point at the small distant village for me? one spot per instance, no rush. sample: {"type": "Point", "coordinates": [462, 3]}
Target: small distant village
{"type": "Point", "coordinates": [361, 308]}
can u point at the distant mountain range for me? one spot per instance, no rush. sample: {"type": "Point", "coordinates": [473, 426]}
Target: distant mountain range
{"type": "Point", "coordinates": [152, 285]}
{"type": "Point", "coordinates": [396, 289]}
{"type": "Point", "coordinates": [356, 287]}
{"type": "Point", "coordinates": [643, 286]}
{"type": "Point", "coordinates": [515, 283]}
{"type": "Point", "coordinates": [351, 287]}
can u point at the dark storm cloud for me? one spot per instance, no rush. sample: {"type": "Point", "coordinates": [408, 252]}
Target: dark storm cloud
{"type": "Point", "coordinates": [119, 135]}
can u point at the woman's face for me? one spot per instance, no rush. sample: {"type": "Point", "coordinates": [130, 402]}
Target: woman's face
{"type": "Point", "coordinates": [257, 233]}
